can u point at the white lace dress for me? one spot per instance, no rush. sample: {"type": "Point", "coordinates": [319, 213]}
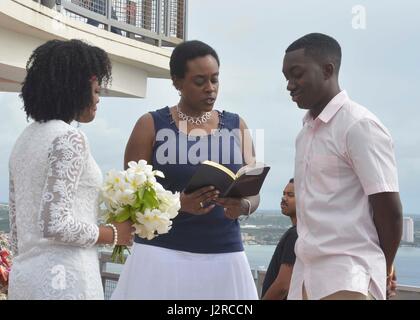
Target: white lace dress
{"type": "Point", "coordinates": [54, 188]}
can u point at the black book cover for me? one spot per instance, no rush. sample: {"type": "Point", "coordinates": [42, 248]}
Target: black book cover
{"type": "Point", "coordinates": [247, 182]}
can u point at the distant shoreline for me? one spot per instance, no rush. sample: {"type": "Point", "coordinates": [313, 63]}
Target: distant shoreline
{"type": "Point", "coordinates": [275, 211]}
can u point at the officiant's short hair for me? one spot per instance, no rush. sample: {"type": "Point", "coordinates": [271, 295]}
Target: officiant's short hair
{"type": "Point", "coordinates": [186, 51]}
{"type": "Point", "coordinates": [58, 83]}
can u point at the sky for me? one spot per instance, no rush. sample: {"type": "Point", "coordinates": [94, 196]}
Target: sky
{"type": "Point", "coordinates": [380, 69]}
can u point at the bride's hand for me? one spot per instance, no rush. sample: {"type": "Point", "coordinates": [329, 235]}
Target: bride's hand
{"type": "Point", "coordinates": [197, 201]}
{"type": "Point", "coordinates": [125, 232]}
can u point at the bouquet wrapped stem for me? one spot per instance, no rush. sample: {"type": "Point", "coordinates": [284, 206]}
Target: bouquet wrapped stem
{"type": "Point", "coordinates": [135, 195]}
{"type": "Point", "coordinates": [118, 255]}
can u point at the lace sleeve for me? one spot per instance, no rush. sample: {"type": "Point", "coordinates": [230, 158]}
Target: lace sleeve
{"type": "Point", "coordinates": [12, 217]}
{"type": "Point", "coordinates": [66, 160]}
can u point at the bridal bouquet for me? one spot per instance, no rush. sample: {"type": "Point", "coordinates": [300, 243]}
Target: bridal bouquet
{"type": "Point", "coordinates": [135, 194]}
{"type": "Point", "coordinates": [5, 265]}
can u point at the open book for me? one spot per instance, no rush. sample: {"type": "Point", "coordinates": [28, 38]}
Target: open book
{"type": "Point", "coordinates": [246, 182]}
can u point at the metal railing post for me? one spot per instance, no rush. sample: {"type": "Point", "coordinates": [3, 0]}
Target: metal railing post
{"type": "Point", "coordinates": [167, 18]}
{"type": "Point", "coordinates": [147, 9]}
{"type": "Point", "coordinates": [179, 22]}
{"type": "Point", "coordinates": [185, 20]}
{"type": "Point", "coordinates": [158, 21]}
{"type": "Point", "coordinates": [108, 14]}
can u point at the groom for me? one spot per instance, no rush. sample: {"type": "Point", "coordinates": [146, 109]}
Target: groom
{"type": "Point", "coordinates": [348, 206]}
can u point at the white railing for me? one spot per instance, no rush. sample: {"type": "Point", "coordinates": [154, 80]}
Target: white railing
{"type": "Point", "coordinates": [158, 22]}
{"type": "Point", "coordinates": [110, 279]}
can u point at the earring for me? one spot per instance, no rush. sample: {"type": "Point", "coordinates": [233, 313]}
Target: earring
{"type": "Point", "coordinates": [179, 92]}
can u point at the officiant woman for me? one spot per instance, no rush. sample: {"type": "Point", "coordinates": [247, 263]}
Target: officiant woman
{"type": "Point", "coordinates": [202, 256]}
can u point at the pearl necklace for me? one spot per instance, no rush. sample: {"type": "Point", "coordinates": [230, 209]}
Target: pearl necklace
{"type": "Point", "coordinates": [194, 120]}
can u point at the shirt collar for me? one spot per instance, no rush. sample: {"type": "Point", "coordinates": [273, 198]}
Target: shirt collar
{"type": "Point", "coordinates": [330, 109]}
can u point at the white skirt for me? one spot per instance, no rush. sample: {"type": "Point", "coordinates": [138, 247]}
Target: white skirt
{"type": "Point", "coordinates": [152, 272]}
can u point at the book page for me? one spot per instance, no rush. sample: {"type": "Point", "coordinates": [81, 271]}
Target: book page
{"type": "Point", "coordinates": [251, 169]}
{"type": "Point", "coordinates": [220, 167]}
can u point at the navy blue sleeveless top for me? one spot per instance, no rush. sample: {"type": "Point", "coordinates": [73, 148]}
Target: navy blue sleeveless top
{"type": "Point", "coordinates": [177, 155]}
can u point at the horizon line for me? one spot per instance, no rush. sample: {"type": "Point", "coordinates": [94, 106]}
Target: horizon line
{"type": "Point", "coordinates": [264, 209]}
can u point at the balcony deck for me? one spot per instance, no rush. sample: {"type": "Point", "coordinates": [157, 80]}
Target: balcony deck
{"type": "Point", "coordinates": [156, 22]}
{"type": "Point", "coordinates": [136, 53]}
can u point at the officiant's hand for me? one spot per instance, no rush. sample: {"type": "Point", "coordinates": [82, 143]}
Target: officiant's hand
{"type": "Point", "coordinates": [199, 201]}
{"type": "Point", "coordinates": [234, 207]}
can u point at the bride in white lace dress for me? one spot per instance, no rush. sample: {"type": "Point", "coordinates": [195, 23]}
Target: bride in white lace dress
{"type": "Point", "coordinates": [54, 180]}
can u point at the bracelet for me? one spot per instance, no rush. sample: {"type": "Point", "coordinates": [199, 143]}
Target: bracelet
{"type": "Point", "coordinates": [115, 231]}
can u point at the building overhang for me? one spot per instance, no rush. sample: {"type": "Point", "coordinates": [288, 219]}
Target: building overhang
{"type": "Point", "coordinates": [25, 24]}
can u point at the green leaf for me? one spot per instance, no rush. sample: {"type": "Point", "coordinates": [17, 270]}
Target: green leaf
{"type": "Point", "coordinates": [138, 203]}
{"type": "Point", "coordinates": [141, 192]}
{"type": "Point", "coordinates": [150, 199]}
{"type": "Point", "coordinates": [123, 215]}
{"type": "Point", "coordinates": [133, 216]}
{"type": "Point", "coordinates": [139, 198]}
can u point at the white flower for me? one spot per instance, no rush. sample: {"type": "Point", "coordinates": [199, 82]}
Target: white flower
{"type": "Point", "coordinates": [115, 180]}
{"type": "Point", "coordinates": [151, 179]}
{"type": "Point", "coordinates": [158, 173]}
{"type": "Point", "coordinates": [115, 199]}
{"type": "Point", "coordinates": [139, 167]}
{"type": "Point", "coordinates": [126, 197]}
{"type": "Point", "coordinates": [158, 187]}
{"type": "Point", "coordinates": [144, 170]}
{"type": "Point", "coordinates": [151, 222]}
{"type": "Point", "coordinates": [136, 179]}
{"type": "Point", "coordinates": [143, 232]}
{"type": "Point", "coordinates": [121, 190]}
{"type": "Point", "coordinates": [112, 201]}
{"type": "Point", "coordinates": [169, 202]}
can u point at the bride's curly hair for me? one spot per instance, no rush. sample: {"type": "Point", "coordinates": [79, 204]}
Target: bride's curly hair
{"type": "Point", "coordinates": [58, 84]}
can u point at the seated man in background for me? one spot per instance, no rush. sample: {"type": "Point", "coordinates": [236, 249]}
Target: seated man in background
{"type": "Point", "coordinates": [279, 272]}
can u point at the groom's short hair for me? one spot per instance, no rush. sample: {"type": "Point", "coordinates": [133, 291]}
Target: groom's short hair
{"type": "Point", "coordinates": [320, 47]}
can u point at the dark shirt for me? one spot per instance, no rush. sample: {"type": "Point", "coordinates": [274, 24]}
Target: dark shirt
{"type": "Point", "coordinates": [211, 232]}
{"type": "Point", "coordinates": [284, 254]}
